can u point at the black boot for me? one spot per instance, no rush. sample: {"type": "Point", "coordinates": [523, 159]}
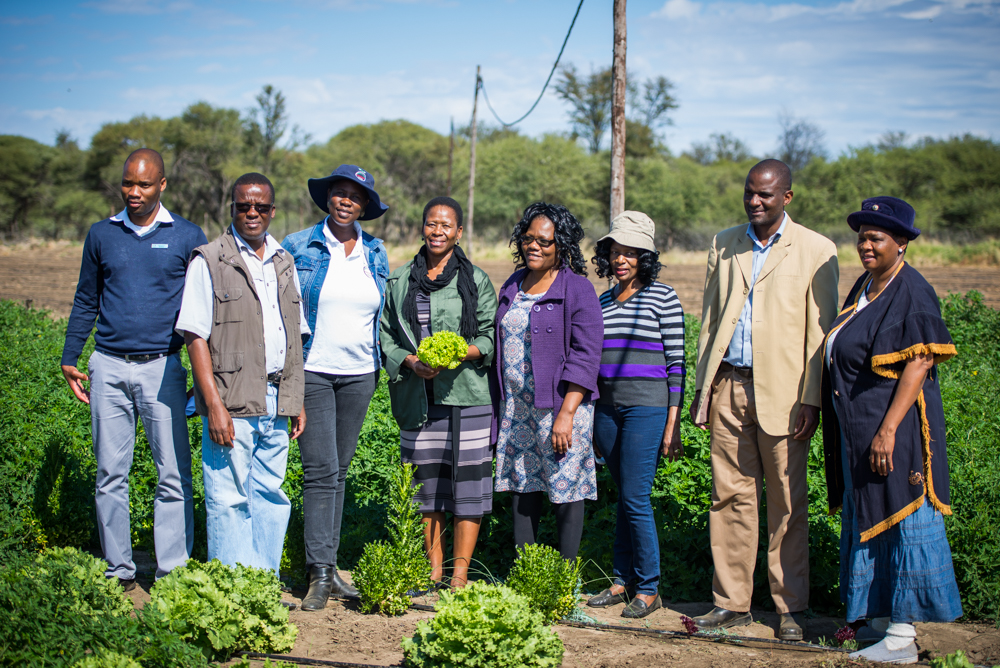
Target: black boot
{"type": "Point", "coordinates": [321, 581]}
{"type": "Point", "coordinates": [341, 589]}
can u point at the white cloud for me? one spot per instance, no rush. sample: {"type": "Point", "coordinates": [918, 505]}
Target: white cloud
{"type": "Point", "coordinates": [931, 12]}
{"type": "Point", "coordinates": [678, 9]}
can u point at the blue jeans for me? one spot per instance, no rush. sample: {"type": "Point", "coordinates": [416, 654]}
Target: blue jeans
{"type": "Point", "coordinates": [630, 439]}
{"type": "Point", "coordinates": [247, 511]}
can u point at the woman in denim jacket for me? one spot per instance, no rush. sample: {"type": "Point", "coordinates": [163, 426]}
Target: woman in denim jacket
{"type": "Point", "coordinates": [343, 272]}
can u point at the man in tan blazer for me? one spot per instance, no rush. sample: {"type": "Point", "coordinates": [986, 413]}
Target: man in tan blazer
{"type": "Point", "coordinates": [770, 297]}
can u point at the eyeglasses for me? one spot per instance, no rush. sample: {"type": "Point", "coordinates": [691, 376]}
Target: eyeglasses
{"type": "Point", "coordinates": [244, 207]}
{"type": "Point", "coordinates": [526, 241]}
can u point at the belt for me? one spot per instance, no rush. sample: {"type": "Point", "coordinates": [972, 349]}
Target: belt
{"type": "Point", "coordinates": [744, 371]}
{"type": "Point", "coordinates": [275, 378]}
{"type": "Point", "coordinates": [137, 358]}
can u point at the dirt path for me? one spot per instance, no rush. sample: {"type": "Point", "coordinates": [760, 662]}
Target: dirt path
{"type": "Point", "coordinates": [342, 633]}
{"type": "Point", "coordinates": [47, 275]}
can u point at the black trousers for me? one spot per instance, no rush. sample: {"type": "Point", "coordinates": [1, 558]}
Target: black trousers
{"type": "Point", "coordinates": [528, 512]}
{"type": "Point", "coordinates": [335, 410]}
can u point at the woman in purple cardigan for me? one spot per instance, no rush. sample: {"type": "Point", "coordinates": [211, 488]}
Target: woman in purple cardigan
{"type": "Point", "coordinates": [549, 334]}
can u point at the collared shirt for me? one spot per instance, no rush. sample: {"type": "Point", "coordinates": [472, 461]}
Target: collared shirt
{"type": "Point", "coordinates": [197, 307]}
{"type": "Point", "coordinates": [346, 312]}
{"type": "Point", "coordinates": [740, 351]}
{"type": "Point", "coordinates": [162, 216]}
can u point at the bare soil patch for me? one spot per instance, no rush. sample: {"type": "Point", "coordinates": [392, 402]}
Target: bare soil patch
{"type": "Point", "coordinates": [342, 633]}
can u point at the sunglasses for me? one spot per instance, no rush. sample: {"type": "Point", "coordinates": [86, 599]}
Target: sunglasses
{"type": "Point", "coordinates": [244, 207]}
{"type": "Point", "coordinates": [526, 241]}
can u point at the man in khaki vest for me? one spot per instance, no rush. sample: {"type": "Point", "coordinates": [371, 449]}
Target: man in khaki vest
{"type": "Point", "coordinates": [770, 297]}
{"type": "Point", "coordinates": [242, 321]}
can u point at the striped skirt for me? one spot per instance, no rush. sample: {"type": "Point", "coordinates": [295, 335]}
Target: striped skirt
{"type": "Point", "coordinates": [456, 482]}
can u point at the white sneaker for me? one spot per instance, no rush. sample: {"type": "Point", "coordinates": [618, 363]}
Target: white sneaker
{"type": "Point", "coordinates": [879, 652]}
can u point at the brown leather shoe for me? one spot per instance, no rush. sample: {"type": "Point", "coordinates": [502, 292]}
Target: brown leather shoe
{"type": "Point", "coordinates": [790, 627]}
{"type": "Point", "coordinates": [720, 618]}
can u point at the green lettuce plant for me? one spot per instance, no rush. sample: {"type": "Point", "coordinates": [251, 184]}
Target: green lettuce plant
{"type": "Point", "coordinates": [388, 570]}
{"type": "Point", "coordinates": [223, 609]}
{"type": "Point", "coordinates": [548, 581]}
{"type": "Point", "coordinates": [483, 626]}
{"type": "Point", "coordinates": [443, 349]}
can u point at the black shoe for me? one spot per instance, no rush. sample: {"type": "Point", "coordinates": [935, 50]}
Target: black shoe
{"type": "Point", "coordinates": [288, 604]}
{"type": "Point", "coordinates": [320, 584]}
{"type": "Point", "coordinates": [606, 599]}
{"type": "Point", "coordinates": [638, 609]}
{"type": "Point", "coordinates": [128, 584]}
{"type": "Point", "coordinates": [720, 618]}
{"type": "Point", "coordinates": [341, 589]}
{"type": "Point", "coordinates": [790, 627]}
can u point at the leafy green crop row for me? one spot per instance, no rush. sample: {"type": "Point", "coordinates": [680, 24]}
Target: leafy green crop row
{"type": "Point", "coordinates": [47, 473]}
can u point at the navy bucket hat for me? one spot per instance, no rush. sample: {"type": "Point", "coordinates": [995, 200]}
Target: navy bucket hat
{"type": "Point", "coordinates": [318, 189]}
{"type": "Point", "coordinates": [890, 213]}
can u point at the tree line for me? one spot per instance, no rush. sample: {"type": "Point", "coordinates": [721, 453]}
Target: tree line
{"type": "Point", "coordinates": [56, 192]}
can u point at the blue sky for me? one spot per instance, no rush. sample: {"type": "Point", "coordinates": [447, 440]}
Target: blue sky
{"type": "Point", "coordinates": [856, 68]}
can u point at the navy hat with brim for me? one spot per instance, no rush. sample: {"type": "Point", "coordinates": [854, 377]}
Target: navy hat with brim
{"type": "Point", "coordinates": [890, 213]}
{"type": "Point", "coordinates": [318, 189]}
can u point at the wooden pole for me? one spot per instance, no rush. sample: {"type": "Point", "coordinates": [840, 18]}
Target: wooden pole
{"type": "Point", "coordinates": [472, 171]}
{"type": "Point", "coordinates": [618, 113]}
{"type": "Point", "coordinates": [451, 153]}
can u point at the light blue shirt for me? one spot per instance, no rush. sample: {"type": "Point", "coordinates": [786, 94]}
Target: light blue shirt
{"type": "Point", "coordinates": [740, 351]}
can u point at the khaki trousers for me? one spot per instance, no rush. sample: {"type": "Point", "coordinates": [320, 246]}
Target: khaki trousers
{"type": "Point", "coordinates": [743, 457]}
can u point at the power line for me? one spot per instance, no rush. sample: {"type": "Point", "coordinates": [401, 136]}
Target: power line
{"type": "Point", "coordinates": [482, 84]}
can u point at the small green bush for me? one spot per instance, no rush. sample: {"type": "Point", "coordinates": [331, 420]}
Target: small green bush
{"type": "Point", "coordinates": [107, 660]}
{"type": "Point", "coordinates": [485, 626]}
{"type": "Point", "coordinates": [57, 609]}
{"type": "Point", "coordinates": [223, 609]}
{"type": "Point", "coordinates": [954, 660]}
{"type": "Point", "coordinates": [388, 570]}
{"type": "Point", "coordinates": [548, 581]}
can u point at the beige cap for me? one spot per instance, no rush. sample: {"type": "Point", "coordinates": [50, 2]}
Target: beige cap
{"type": "Point", "coordinates": [632, 228]}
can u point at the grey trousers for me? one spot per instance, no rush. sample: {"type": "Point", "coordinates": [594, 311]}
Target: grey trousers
{"type": "Point", "coordinates": [156, 391]}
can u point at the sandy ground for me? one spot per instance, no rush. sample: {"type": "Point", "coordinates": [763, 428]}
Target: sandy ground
{"type": "Point", "coordinates": [45, 276]}
{"type": "Point", "coordinates": [342, 633]}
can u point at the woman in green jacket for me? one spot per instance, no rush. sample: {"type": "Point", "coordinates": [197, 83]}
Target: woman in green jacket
{"type": "Point", "coordinates": [440, 290]}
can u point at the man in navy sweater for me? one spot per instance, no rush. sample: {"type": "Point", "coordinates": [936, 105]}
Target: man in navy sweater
{"type": "Point", "coordinates": [131, 281]}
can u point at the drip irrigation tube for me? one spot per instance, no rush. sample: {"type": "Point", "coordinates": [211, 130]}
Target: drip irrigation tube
{"type": "Point", "coordinates": [664, 634]}
{"type": "Point", "coordinates": [307, 661]}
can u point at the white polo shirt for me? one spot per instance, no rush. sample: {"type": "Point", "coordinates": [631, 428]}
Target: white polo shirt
{"type": "Point", "coordinates": [346, 312]}
{"type": "Point", "coordinates": [162, 216]}
{"type": "Point", "coordinates": [197, 306]}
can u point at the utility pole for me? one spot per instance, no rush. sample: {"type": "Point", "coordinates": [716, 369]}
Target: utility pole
{"type": "Point", "coordinates": [618, 113]}
{"type": "Point", "coordinates": [472, 170]}
{"type": "Point", "coordinates": [451, 153]}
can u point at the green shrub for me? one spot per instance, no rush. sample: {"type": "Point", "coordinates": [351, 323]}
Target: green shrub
{"type": "Point", "coordinates": [969, 389]}
{"type": "Point", "coordinates": [107, 660]}
{"type": "Point", "coordinates": [223, 609]}
{"type": "Point", "coordinates": [486, 626]}
{"type": "Point", "coordinates": [387, 570]}
{"type": "Point", "coordinates": [57, 608]}
{"type": "Point", "coordinates": [548, 581]}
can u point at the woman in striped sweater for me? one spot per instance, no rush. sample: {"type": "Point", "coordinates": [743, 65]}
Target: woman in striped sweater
{"type": "Point", "coordinates": [641, 383]}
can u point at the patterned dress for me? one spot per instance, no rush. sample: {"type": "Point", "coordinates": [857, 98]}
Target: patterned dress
{"type": "Point", "coordinates": [526, 461]}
